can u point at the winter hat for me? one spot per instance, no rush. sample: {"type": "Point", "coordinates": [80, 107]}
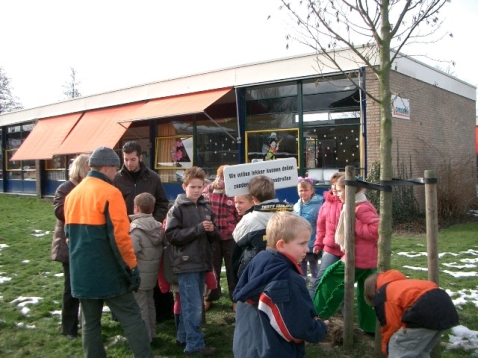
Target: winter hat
{"type": "Point", "coordinates": [104, 157]}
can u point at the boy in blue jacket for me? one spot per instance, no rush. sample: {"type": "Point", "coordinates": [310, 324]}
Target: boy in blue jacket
{"type": "Point", "coordinates": [274, 312]}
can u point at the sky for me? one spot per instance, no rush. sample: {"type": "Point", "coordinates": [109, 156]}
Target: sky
{"type": "Point", "coordinates": [464, 265]}
{"type": "Point", "coordinates": [119, 44]}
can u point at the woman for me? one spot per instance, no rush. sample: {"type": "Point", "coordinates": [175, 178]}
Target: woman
{"type": "Point", "coordinates": [59, 250]}
{"type": "Point", "coordinates": [330, 291]}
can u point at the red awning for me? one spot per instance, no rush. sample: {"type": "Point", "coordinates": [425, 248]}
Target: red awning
{"type": "Point", "coordinates": [179, 105]}
{"type": "Point", "coordinates": [46, 137]}
{"type": "Point", "coordinates": [97, 128]}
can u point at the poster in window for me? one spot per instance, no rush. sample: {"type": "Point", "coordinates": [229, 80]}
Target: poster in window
{"type": "Point", "coordinates": [174, 152]}
{"type": "Point", "coordinates": [272, 144]}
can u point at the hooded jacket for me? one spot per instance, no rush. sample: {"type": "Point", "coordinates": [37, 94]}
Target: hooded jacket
{"type": "Point", "coordinates": [190, 249]}
{"type": "Point", "coordinates": [147, 234]}
{"type": "Point", "coordinates": [399, 302]}
{"type": "Point", "coordinates": [274, 312]}
{"type": "Point", "coordinates": [366, 236]}
{"type": "Point", "coordinates": [309, 211]}
{"type": "Point", "coordinates": [327, 224]}
{"type": "Point", "coordinates": [250, 233]}
{"type": "Point", "coordinates": [148, 182]}
{"type": "Point", "coordinates": [97, 228]}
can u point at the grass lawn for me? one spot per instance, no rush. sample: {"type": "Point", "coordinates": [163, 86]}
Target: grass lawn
{"type": "Point", "coordinates": [31, 287]}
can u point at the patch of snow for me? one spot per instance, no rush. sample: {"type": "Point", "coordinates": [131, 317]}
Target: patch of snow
{"type": "Point", "coordinates": [471, 261]}
{"type": "Point", "coordinates": [27, 301]}
{"type": "Point", "coordinates": [461, 274]}
{"type": "Point", "coordinates": [457, 266]}
{"type": "Point", "coordinates": [462, 337]}
{"type": "Point", "coordinates": [416, 268]}
{"type": "Point", "coordinates": [464, 296]}
{"type": "Point", "coordinates": [4, 279]}
{"type": "Point", "coordinates": [412, 254]}
{"type": "Point", "coordinates": [114, 340]}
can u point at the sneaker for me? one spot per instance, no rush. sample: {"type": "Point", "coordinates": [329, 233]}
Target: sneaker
{"type": "Point", "coordinates": [180, 344]}
{"type": "Point", "coordinates": [206, 351]}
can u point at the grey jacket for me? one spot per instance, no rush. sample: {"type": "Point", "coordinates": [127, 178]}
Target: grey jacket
{"type": "Point", "coordinates": [190, 243]}
{"type": "Point", "coordinates": [147, 234]}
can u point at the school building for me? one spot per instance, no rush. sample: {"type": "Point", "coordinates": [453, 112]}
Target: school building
{"type": "Point", "coordinates": [236, 115]}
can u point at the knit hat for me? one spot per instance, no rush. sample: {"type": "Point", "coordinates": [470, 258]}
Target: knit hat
{"type": "Point", "coordinates": [104, 157]}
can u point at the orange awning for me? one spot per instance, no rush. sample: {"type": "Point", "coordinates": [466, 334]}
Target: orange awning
{"type": "Point", "coordinates": [178, 105]}
{"type": "Point", "coordinates": [46, 137]}
{"type": "Point", "coordinates": [97, 128]}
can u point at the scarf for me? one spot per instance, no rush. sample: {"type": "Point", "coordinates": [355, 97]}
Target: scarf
{"type": "Point", "coordinates": [340, 231]}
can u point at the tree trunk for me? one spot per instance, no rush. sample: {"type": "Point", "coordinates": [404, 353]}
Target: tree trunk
{"type": "Point", "coordinates": [386, 170]}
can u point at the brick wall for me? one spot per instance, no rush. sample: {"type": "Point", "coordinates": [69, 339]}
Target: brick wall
{"type": "Point", "coordinates": [441, 128]}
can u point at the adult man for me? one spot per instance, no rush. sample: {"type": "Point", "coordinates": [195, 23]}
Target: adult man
{"type": "Point", "coordinates": [135, 178]}
{"type": "Point", "coordinates": [103, 266]}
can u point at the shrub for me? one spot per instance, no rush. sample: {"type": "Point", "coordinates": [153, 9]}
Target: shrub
{"type": "Point", "coordinates": [405, 206]}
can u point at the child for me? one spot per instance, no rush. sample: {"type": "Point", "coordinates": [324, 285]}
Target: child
{"type": "Point", "coordinates": [168, 283]}
{"type": "Point", "coordinates": [190, 230]}
{"type": "Point", "coordinates": [226, 220]}
{"type": "Point", "coordinates": [327, 220]}
{"type": "Point", "coordinates": [147, 235]}
{"type": "Point", "coordinates": [413, 313]}
{"type": "Point", "coordinates": [250, 231]}
{"type": "Point", "coordinates": [243, 204]}
{"type": "Point", "coordinates": [330, 290]}
{"type": "Point", "coordinates": [308, 207]}
{"type": "Point", "coordinates": [275, 315]}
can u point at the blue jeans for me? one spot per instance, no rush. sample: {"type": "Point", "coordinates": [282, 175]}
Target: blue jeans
{"type": "Point", "coordinates": [125, 308]}
{"type": "Point", "coordinates": [191, 290]}
{"type": "Point", "coordinates": [327, 260]}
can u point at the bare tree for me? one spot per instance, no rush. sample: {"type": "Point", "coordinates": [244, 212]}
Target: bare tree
{"type": "Point", "coordinates": [383, 28]}
{"type": "Point", "coordinates": [70, 88]}
{"type": "Point", "coordinates": [8, 102]}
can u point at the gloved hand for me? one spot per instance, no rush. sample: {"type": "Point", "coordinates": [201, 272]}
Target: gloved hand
{"type": "Point", "coordinates": [135, 279]}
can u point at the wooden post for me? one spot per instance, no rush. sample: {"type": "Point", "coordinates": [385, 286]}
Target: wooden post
{"type": "Point", "coordinates": [432, 224]}
{"type": "Point", "coordinates": [432, 234]}
{"type": "Point", "coordinates": [349, 258]}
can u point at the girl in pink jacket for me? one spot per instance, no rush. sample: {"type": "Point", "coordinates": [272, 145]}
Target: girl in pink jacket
{"type": "Point", "coordinates": [330, 290]}
{"type": "Point", "coordinates": [325, 234]}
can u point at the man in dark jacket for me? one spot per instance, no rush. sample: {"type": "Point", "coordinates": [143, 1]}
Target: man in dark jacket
{"type": "Point", "coordinates": [135, 178]}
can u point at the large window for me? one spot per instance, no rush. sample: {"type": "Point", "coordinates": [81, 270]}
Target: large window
{"type": "Point", "coordinates": [56, 168]}
{"type": "Point", "coordinates": [330, 122]}
{"type": "Point", "coordinates": [20, 169]}
{"type": "Point", "coordinates": [203, 142]}
{"type": "Point", "coordinates": [272, 144]}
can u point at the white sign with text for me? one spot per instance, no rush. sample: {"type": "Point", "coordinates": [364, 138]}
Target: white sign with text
{"type": "Point", "coordinates": [283, 173]}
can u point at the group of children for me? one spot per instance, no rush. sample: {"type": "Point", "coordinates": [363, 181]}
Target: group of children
{"type": "Point", "coordinates": [272, 243]}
